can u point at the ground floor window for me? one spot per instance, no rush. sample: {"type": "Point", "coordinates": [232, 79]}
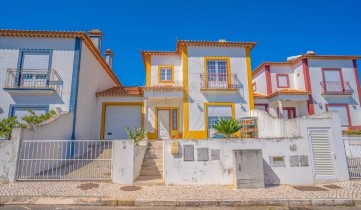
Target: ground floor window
{"type": "Point", "coordinates": [21, 111]}
{"type": "Point", "coordinates": [215, 113]}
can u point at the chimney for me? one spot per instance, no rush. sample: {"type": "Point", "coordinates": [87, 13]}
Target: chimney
{"type": "Point", "coordinates": [109, 57]}
{"type": "Point", "coordinates": [310, 52]}
{"type": "Point", "coordinates": [96, 36]}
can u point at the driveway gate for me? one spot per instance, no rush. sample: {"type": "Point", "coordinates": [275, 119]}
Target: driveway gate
{"type": "Point", "coordinates": [353, 153]}
{"type": "Point", "coordinates": [65, 160]}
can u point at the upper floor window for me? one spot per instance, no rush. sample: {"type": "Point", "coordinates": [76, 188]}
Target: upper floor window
{"type": "Point", "coordinates": [283, 81]}
{"type": "Point", "coordinates": [165, 74]}
{"type": "Point", "coordinates": [216, 73]}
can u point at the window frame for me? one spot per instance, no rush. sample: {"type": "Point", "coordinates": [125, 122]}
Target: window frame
{"type": "Point", "coordinates": [218, 58]}
{"type": "Point", "coordinates": [287, 79]}
{"type": "Point", "coordinates": [12, 107]}
{"type": "Point", "coordinates": [160, 68]}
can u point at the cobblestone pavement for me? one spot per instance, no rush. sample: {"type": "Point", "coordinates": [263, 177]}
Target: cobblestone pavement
{"type": "Point", "coordinates": [349, 190]}
{"type": "Point", "coordinates": [52, 207]}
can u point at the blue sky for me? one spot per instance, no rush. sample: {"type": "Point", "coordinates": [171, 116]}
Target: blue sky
{"type": "Point", "coordinates": [281, 28]}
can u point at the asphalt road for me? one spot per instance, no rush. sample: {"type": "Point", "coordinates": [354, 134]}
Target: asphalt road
{"type": "Point", "coordinates": [59, 207]}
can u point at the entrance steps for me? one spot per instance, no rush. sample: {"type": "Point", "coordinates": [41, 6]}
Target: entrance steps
{"type": "Point", "coordinates": [151, 172]}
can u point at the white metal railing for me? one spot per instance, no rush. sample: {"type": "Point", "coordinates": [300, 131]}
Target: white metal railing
{"type": "Point", "coordinates": [33, 78]}
{"type": "Point", "coordinates": [353, 155]}
{"type": "Point", "coordinates": [65, 160]}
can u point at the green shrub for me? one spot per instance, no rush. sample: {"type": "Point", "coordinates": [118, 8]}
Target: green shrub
{"type": "Point", "coordinates": [7, 125]}
{"type": "Point", "coordinates": [32, 119]}
{"type": "Point", "coordinates": [137, 135]}
{"type": "Point", "coordinates": [227, 127]}
{"type": "Point", "coordinates": [353, 132]}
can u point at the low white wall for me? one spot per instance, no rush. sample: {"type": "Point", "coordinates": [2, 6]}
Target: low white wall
{"type": "Point", "coordinates": [9, 157]}
{"type": "Point", "coordinates": [127, 161]}
{"type": "Point", "coordinates": [221, 171]}
{"type": "Point", "coordinates": [287, 138]}
{"type": "Point", "coordinates": [139, 152]}
{"type": "Point", "coordinates": [57, 128]}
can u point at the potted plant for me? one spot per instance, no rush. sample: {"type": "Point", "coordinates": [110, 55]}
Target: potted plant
{"type": "Point", "coordinates": [227, 127]}
{"type": "Point", "coordinates": [176, 135]}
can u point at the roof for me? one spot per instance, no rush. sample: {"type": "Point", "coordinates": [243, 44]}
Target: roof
{"type": "Point", "coordinates": [305, 56]}
{"type": "Point", "coordinates": [281, 92]}
{"type": "Point", "coordinates": [63, 35]}
{"type": "Point", "coordinates": [134, 91]}
{"type": "Point", "coordinates": [181, 43]}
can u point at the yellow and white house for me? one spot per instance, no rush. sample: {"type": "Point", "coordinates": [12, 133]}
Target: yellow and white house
{"type": "Point", "coordinates": [186, 91]}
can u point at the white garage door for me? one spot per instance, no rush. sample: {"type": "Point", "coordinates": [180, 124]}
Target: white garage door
{"type": "Point", "coordinates": [118, 117]}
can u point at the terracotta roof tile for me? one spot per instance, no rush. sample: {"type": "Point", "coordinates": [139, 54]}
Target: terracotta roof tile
{"type": "Point", "coordinates": [281, 92]}
{"type": "Point", "coordinates": [121, 91]}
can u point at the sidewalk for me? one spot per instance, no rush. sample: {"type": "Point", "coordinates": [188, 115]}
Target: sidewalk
{"type": "Point", "coordinates": [101, 193]}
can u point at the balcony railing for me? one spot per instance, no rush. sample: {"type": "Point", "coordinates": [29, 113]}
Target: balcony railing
{"type": "Point", "coordinates": [336, 88]}
{"type": "Point", "coordinates": [33, 79]}
{"type": "Point", "coordinates": [219, 81]}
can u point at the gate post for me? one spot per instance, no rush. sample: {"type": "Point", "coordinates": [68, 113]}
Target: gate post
{"type": "Point", "coordinates": [9, 152]}
{"type": "Point", "coordinates": [123, 163]}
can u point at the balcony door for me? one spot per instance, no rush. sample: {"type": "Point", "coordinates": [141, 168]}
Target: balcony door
{"type": "Point", "coordinates": [217, 74]}
{"type": "Point", "coordinates": [332, 80]}
{"type": "Point", "coordinates": [34, 69]}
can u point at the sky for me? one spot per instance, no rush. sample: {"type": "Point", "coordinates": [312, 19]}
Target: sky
{"type": "Point", "coordinates": [281, 28]}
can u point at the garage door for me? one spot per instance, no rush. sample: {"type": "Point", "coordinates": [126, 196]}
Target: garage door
{"type": "Point", "coordinates": [118, 117]}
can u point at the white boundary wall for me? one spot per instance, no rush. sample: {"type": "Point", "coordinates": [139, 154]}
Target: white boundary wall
{"type": "Point", "coordinates": [290, 138]}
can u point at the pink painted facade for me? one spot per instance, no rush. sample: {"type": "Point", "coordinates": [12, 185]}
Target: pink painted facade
{"type": "Point", "coordinates": [310, 84]}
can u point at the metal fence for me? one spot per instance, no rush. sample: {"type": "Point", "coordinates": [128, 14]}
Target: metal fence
{"type": "Point", "coordinates": [65, 160]}
{"type": "Point", "coordinates": [353, 153]}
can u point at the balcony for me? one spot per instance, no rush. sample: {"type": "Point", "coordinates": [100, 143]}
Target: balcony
{"type": "Point", "coordinates": [33, 81]}
{"type": "Point", "coordinates": [219, 81]}
{"type": "Point", "coordinates": [336, 88]}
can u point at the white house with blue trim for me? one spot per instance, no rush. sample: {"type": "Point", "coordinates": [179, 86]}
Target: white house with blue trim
{"type": "Point", "coordinates": [54, 70]}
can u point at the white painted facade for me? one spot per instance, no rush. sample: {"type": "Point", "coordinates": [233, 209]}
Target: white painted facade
{"type": "Point", "coordinates": [80, 70]}
{"type": "Point", "coordinates": [286, 138]}
{"type": "Point", "coordinates": [198, 97]}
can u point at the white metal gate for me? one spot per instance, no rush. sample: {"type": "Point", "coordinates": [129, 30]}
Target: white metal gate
{"type": "Point", "coordinates": [65, 160]}
{"type": "Point", "coordinates": [322, 153]}
{"type": "Point", "coordinates": [353, 155]}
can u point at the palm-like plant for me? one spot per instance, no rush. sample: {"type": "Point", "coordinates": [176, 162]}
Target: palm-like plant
{"type": "Point", "coordinates": [137, 135]}
{"type": "Point", "coordinates": [227, 127]}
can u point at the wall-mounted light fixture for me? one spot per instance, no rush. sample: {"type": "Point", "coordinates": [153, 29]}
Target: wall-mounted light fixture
{"type": "Point", "coordinates": [354, 106]}
{"type": "Point", "coordinates": [320, 105]}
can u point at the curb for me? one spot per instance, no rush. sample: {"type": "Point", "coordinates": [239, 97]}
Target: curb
{"type": "Point", "coordinates": [109, 201]}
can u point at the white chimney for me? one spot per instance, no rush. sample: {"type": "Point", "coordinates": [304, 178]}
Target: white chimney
{"type": "Point", "coordinates": [109, 57]}
{"type": "Point", "coordinates": [310, 52]}
{"type": "Point", "coordinates": [222, 40]}
{"type": "Point", "coordinates": [293, 57]}
{"type": "Point", "coordinates": [95, 36]}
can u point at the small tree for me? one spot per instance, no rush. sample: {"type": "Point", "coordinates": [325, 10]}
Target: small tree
{"type": "Point", "coordinates": [137, 135]}
{"type": "Point", "coordinates": [227, 127]}
{"type": "Point", "coordinates": [7, 125]}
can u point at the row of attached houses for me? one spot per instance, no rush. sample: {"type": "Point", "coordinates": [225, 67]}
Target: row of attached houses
{"type": "Point", "coordinates": [310, 84]}
{"type": "Point", "coordinates": [186, 91]}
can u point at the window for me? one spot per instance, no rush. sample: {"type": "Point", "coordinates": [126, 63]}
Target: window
{"type": "Point", "coordinates": [287, 113]}
{"type": "Point", "coordinates": [21, 111]}
{"type": "Point", "coordinates": [215, 113]}
{"type": "Point", "coordinates": [213, 120]}
{"type": "Point", "coordinates": [282, 81]}
{"type": "Point", "coordinates": [166, 74]}
{"type": "Point", "coordinates": [174, 119]}
{"type": "Point", "coordinates": [217, 73]}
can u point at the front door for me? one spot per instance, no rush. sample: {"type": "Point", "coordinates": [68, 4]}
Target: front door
{"type": "Point", "coordinates": [163, 124]}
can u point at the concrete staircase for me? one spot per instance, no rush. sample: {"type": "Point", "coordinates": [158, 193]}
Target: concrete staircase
{"type": "Point", "coordinates": [152, 167]}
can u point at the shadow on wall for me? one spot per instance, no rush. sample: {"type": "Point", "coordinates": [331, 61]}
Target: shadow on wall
{"type": "Point", "coordinates": [270, 177]}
